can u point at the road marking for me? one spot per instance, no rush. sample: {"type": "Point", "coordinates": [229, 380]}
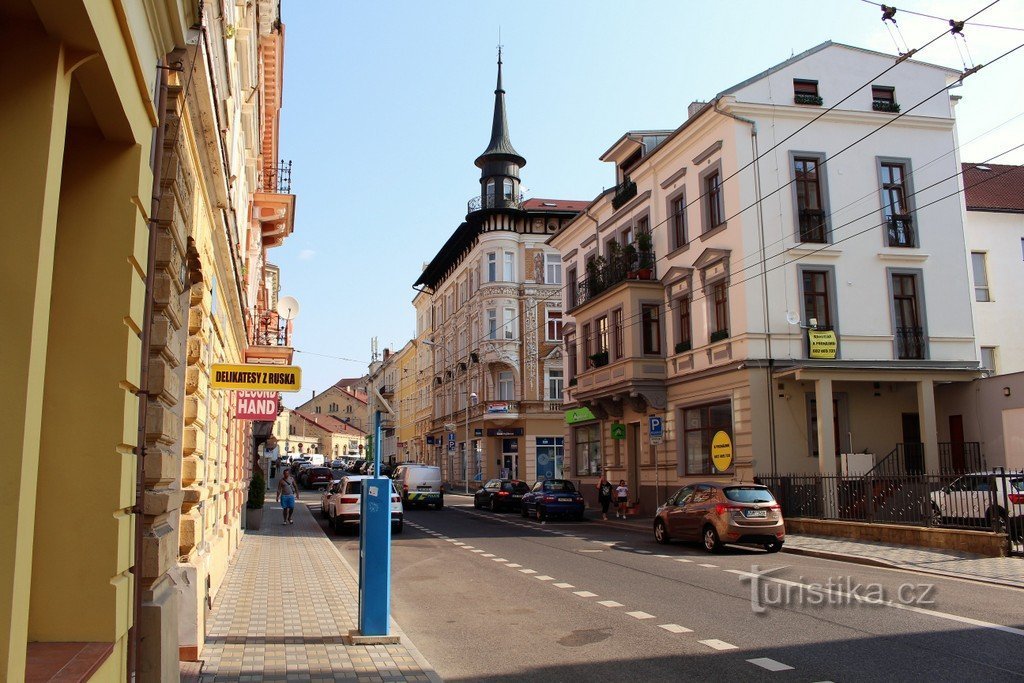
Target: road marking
{"type": "Point", "coordinates": [662, 556]}
{"type": "Point", "coordinates": [544, 577]}
{"type": "Point", "coordinates": [709, 566]}
{"type": "Point", "coordinates": [770, 664]}
{"type": "Point", "coordinates": [610, 603]}
{"type": "Point", "coordinates": [499, 559]}
{"type": "Point", "coordinates": [487, 555]}
{"type": "Point", "coordinates": [608, 543]}
{"type": "Point", "coordinates": [589, 550]}
{"type": "Point", "coordinates": [585, 594]}
{"type": "Point", "coordinates": [675, 628]}
{"type": "Point", "coordinates": [513, 565]}
{"type": "Point", "coordinates": [875, 601]}
{"type": "Point", "coordinates": [716, 644]}
{"type": "Point", "coordinates": [563, 585]}
{"type": "Point", "coordinates": [643, 552]}
{"type": "Point", "coordinates": [624, 547]}
{"type": "Point", "coordinates": [527, 571]}
{"type": "Point", "coordinates": [683, 559]}
{"type": "Point", "coordinates": [478, 550]}
{"type": "Point", "coordinates": [458, 543]}
{"type": "Point", "coordinates": [466, 547]}
{"type": "Point", "coordinates": [640, 615]}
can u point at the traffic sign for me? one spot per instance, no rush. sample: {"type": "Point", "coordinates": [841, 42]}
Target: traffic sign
{"type": "Point", "coordinates": [656, 429]}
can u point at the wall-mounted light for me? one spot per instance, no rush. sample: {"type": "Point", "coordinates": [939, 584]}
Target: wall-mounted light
{"type": "Point", "coordinates": [1006, 391]}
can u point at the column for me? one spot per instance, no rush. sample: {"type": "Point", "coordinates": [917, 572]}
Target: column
{"type": "Point", "coordinates": [826, 446]}
{"type": "Point", "coordinates": [929, 429]}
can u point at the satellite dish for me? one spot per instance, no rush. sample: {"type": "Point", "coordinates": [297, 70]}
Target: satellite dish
{"type": "Point", "coordinates": [791, 317]}
{"type": "Point", "coordinates": [288, 307]}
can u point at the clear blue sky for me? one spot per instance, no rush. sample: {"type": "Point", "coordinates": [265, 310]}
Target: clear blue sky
{"type": "Point", "coordinates": [387, 104]}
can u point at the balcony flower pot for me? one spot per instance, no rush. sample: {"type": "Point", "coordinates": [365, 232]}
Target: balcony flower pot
{"type": "Point", "coordinates": [683, 347]}
{"type": "Point", "coordinates": [599, 359]}
{"type": "Point", "coordinates": [719, 336]}
{"type": "Point", "coordinates": [644, 274]}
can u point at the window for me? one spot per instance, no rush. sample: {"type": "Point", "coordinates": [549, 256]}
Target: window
{"type": "Point", "coordinates": [908, 330]}
{"type": "Point", "coordinates": [489, 199]}
{"type": "Point", "coordinates": [552, 269]}
{"type": "Point", "coordinates": [617, 323]}
{"type": "Point", "coordinates": [899, 225]}
{"type": "Point", "coordinates": [506, 386]}
{"type": "Point", "coordinates": [978, 265]}
{"type": "Point", "coordinates": [805, 92]}
{"type": "Point", "coordinates": [492, 323]}
{"type": "Point", "coordinates": [317, 409]}
{"type": "Point", "coordinates": [554, 325]}
{"type": "Point", "coordinates": [510, 323]}
{"type": "Point", "coordinates": [719, 311]}
{"type": "Point", "coordinates": [816, 299]}
{"type": "Point", "coordinates": [988, 358]}
{"type": "Point", "coordinates": [677, 212]}
{"type": "Point", "coordinates": [587, 450]}
{"type": "Point", "coordinates": [555, 385]}
{"type": "Point", "coordinates": [509, 271]}
{"type": "Point", "coordinates": [700, 424]}
{"type": "Point", "coordinates": [810, 210]}
{"type": "Point", "coordinates": [715, 211]}
{"type": "Point", "coordinates": [571, 293]}
{"type": "Point", "coordinates": [570, 352]}
{"type": "Point", "coordinates": [651, 322]}
{"type": "Point", "coordinates": [492, 266]}
{"type": "Point", "coordinates": [685, 342]}
{"type": "Point", "coordinates": [602, 334]}
{"type": "Point", "coordinates": [506, 188]}
{"type": "Point", "coordinates": [883, 98]}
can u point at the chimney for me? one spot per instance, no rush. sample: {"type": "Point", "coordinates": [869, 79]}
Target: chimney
{"type": "Point", "coordinates": [694, 107]}
{"type": "Point", "coordinates": [387, 352]}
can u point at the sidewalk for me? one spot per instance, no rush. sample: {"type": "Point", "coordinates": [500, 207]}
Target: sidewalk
{"type": "Point", "coordinates": [288, 599]}
{"type": "Point", "coordinates": [1004, 571]}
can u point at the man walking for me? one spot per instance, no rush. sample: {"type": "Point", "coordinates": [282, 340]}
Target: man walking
{"type": "Point", "coordinates": [286, 490]}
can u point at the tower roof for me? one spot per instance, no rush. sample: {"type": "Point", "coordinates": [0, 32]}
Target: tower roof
{"type": "Point", "coordinates": [500, 147]}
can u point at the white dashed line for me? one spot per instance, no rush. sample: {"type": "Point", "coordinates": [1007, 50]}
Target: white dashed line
{"type": "Point", "coordinates": [478, 550]}
{"type": "Point", "coordinates": [499, 559]}
{"type": "Point", "coordinates": [640, 615]}
{"type": "Point", "coordinates": [624, 547]}
{"type": "Point", "coordinates": [527, 571]}
{"type": "Point", "coordinates": [610, 603]}
{"type": "Point", "coordinates": [487, 555]}
{"type": "Point", "coordinates": [544, 577]}
{"type": "Point", "coordinates": [709, 566]}
{"type": "Point", "coordinates": [716, 644]}
{"type": "Point", "coordinates": [513, 565]}
{"type": "Point", "coordinates": [563, 585]}
{"type": "Point", "coordinates": [585, 594]}
{"type": "Point", "coordinates": [608, 543]}
{"type": "Point", "coordinates": [642, 552]}
{"type": "Point", "coordinates": [467, 547]}
{"type": "Point", "coordinates": [683, 559]}
{"type": "Point", "coordinates": [662, 556]}
{"type": "Point", "coordinates": [590, 550]}
{"type": "Point", "coordinates": [675, 628]}
{"type": "Point", "coordinates": [770, 664]}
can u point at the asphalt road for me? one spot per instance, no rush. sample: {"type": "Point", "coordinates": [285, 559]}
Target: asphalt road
{"type": "Point", "coordinates": [496, 597]}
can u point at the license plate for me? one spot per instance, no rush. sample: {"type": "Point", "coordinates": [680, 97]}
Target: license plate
{"type": "Point", "coordinates": [422, 488]}
{"type": "Point", "coordinates": [565, 500]}
{"type": "Point", "coordinates": [755, 513]}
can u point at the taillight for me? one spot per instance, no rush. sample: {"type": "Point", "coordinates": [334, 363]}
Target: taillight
{"type": "Point", "coordinates": [550, 499]}
{"type": "Point", "coordinates": [395, 499]}
{"type": "Point", "coordinates": [348, 501]}
{"type": "Point", "coordinates": [1017, 498]}
{"type": "Point", "coordinates": [721, 508]}
{"type": "Point", "coordinates": [502, 493]}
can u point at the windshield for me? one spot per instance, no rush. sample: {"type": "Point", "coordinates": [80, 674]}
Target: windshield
{"type": "Point", "coordinates": [559, 485]}
{"type": "Point", "coordinates": [1017, 485]}
{"type": "Point", "coordinates": [749, 494]}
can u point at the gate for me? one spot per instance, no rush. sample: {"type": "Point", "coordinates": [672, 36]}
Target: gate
{"type": "Point", "coordinates": [1010, 487]}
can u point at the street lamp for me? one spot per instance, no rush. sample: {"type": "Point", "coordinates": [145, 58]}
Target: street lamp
{"type": "Point", "coordinates": [472, 398]}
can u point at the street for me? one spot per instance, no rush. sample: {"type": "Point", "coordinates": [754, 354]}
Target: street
{"type": "Point", "coordinates": [580, 601]}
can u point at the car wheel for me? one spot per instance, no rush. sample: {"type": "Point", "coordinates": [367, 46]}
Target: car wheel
{"type": "Point", "coordinates": [936, 517]}
{"type": "Point", "coordinates": [541, 515]}
{"type": "Point", "coordinates": [494, 504]}
{"type": "Point", "coordinates": [476, 503]}
{"type": "Point", "coordinates": [773, 547]}
{"type": "Point", "coordinates": [397, 528]}
{"type": "Point", "coordinates": [711, 541]}
{"type": "Point", "coordinates": [661, 533]}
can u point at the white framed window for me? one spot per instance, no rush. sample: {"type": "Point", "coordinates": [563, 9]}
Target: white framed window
{"type": "Point", "coordinates": [556, 383]}
{"type": "Point", "coordinates": [490, 193]}
{"type": "Point", "coordinates": [552, 269]}
{"type": "Point", "coordinates": [554, 325]}
{"type": "Point", "coordinates": [507, 188]}
{"type": "Point", "coordinates": [506, 386]}
{"type": "Point", "coordinates": [980, 268]}
{"type": "Point", "coordinates": [492, 266]}
{"type": "Point", "coordinates": [509, 269]}
{"type": "Point", "coordinates": [492, 323]}
{"type": "Point", "coordinates": [510, 323]}
{"type": "Point", "coordinates": [988, 358]}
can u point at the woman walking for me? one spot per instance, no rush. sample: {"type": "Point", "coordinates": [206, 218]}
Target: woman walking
{"type": "Point", "coordinates": [622, 498]}
{"type": "Point", "coordinates": [604, 495]}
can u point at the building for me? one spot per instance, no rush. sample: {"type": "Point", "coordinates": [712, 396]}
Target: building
{"type": "Point", "coordinates": [345, 400]}
{"type": "Point", "coordinates": [383, 379]}
{"type": "Point", "coordinates": [298, 432]}
{"type": "Point", "coordinates": [495, 323]}
{"type": "Point", "coordinates": [147, 144]}
{"type": "Point", "coordinates": [422, 451]}
{"type": "Point", "coordinates": [746, 294]}
{"type": "Point", "coordinates": [405, 401]}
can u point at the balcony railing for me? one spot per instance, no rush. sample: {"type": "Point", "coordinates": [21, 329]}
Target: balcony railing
{"type": "Point", "coordinates": [624, 191]}
{"type": "Point", "coordinates": [279, 178]}
{"type": "Point", "coordinates": [900, 229]}
{"type": "Point", "coordinates": [606, 275]}
{"type": "Point", "coordinates": [494, 201]}
{"type": "Point", "coordinates": [812, 226]}
{"type": "Point", "coordinates": [909, 343]}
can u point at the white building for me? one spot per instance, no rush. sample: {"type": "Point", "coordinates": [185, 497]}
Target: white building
{"type": "Point", "coordinates": [744, 262]}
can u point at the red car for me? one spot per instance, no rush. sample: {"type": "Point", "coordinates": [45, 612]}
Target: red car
{"type": "Point", "coordinates": [317, 476]}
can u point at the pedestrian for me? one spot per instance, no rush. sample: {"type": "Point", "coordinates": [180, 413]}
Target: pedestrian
{"type": "Point", "coordinates": [604, 495]}
{"type": "Point", "coordinates": [622, 498]}
{"type": "Point", "coordinates": [286, 490]}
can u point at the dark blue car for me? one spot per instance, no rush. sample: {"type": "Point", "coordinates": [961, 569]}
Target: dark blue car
{"type": "Point", "coordinates": [553, 497]}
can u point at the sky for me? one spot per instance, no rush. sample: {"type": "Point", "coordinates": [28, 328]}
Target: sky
{"type": "Point", "coordinates": [386, 104]}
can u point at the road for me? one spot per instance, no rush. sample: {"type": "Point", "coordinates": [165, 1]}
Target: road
{"type": "Point", "coordinates": [496, 597]}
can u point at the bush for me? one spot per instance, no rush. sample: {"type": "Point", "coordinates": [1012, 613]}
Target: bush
{"type": "Point", "coordinates": [257, 490]}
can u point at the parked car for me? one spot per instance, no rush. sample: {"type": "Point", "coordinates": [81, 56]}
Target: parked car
{"type": "Point", "coordinates": [343, 505]}
{"type": "Point", "coordinates": [552, 497]}
{"type": "Point", "coordinates": [993, 499]}
{"type": "Point", "coordinates": [355, 466]}
{"type": "Point", "coordinates": [501, 494]}
{"type": "Point", "coordinates": [716, 513]}
{"type": "Point", "coordinates": [331, 489]}
{"type": "Point", "coordinates": [419, 484]}
{"type": "Point", "coordinates": [314, 477]}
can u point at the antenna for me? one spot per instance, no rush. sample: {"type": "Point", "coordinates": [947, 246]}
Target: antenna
{"type": "Point", "coordinates": [373, 349]}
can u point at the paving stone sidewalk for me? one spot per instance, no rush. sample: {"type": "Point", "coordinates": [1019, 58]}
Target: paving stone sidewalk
{"type": "Point", "coordinates": [287, 601]}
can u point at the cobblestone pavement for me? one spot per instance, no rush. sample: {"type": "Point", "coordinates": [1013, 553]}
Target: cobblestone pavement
{"type": "Point", "coordinates": [287, 601]}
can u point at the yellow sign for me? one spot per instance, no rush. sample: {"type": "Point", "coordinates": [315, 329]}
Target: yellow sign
{"type": "Point", "coordinates": [822, 343]}
{"type": "Point", "coordinates": [721, 451]}
{"type": "Point", "coordinates": [256, 377]}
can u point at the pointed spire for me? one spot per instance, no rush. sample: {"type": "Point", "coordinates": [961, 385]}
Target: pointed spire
{"type": "Point", "coordinates": [500, 145]}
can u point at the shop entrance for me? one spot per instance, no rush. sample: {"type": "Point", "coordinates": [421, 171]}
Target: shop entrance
{"type": "Point", "coordinates": [510, 458]}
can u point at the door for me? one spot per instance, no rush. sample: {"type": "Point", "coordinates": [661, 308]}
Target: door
{"type": "Point", "coordinates": [694, 511]}
{"type": "Point", "coordinates": [913, 449]}
{"type": "Point", "coordinates": [674, 511]}
{"type": "Point", "coordinates": [510, 458]}
{"type": "Point", "coordinates": [956, 443]}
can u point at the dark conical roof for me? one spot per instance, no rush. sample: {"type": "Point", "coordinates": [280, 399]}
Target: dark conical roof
{"type": "Point", "coordinates": [500, 146]}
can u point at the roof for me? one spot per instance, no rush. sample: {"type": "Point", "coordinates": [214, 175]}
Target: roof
{"type": "Point", "coordinates": [329, 423]}
{"type": "Point", "coordinates": [1000, 188]}
{"type": "Point", "coordinates": [537, 204]}
{"type": "Point", "coordinates": [500, 145]}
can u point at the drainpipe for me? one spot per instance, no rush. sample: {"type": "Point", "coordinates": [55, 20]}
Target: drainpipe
{"type": "Point", "coordinates": [769, 371]}
{"type": "Point", "coordinates": [134, 635]}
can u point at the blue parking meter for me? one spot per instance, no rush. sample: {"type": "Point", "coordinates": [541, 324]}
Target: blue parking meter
{"type": "Point", "coordinates": [375, 547]}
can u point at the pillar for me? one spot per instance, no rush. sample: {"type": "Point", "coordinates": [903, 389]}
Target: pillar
{"type": "Point", "coordinates": [929, 428]}
{"type": "Point", "coordinates": [826, 446]}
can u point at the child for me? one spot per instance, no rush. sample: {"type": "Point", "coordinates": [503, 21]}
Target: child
{"type": "Point", "coordinates": [621, 498]}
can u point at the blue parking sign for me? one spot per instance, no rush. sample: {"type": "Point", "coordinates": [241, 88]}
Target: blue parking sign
{"type": "Point", "coordinates": [656, 426]}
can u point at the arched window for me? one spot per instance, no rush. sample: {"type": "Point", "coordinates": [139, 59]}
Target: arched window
{"type": "Point", "coordinates": [507, 187]}
{"type": "Point", "coordinates": [489, 201]}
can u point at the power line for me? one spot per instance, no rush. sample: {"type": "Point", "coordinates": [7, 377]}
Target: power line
{"type": "Point", "coordinates": [938, 18]}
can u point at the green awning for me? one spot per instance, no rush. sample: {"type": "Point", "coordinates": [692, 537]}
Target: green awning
{"type": "Point", "coordinates": [578, 415]}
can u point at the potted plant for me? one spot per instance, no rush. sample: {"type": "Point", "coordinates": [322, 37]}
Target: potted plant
{"type": "Point", "coordinates": [254, 506]}
{"type": "Point", "coordinates": [599, 359]}
{"type": "Point", "coordinates": [683, 346]}
{"type": "Point", "coordinates": [719, 335]}
{"type": "Point", "coordinates": [629, 258]}
{"type": "Point", "coordinates": [595, 275]}
{"type": "Point", "coordinates": [616, 262]}
{"type": "Point", "coordinates": [645, 255]}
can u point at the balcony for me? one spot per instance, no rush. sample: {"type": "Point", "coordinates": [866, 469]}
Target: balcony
{"type": "Point", "coordinates": [812, 226]}
{"type": "Point", "coordinates": [624, 191]}
{"type": "Point", "coordinates": [387, 390]}
{"type": "Point", "coordinates": [900, 229]}
{"type": "Point", "coordinates": [603, 275]}
{"type": "Point", "coordinates": [274, 204]}
{"type": "Point", "coordinates": [494, 201]}
{"type": "Point", "coordinates": [910, 343]}
{"type": "Point", "coordinates": [887, 106]}
{"type": "Point", "coordinates": [637, 382]}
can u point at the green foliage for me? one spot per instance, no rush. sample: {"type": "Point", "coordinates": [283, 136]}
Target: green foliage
{"type": "Point", "coordinates": [257, 490]}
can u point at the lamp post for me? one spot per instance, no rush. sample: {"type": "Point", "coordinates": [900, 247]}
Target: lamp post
{"type": "Point", "coordinates": [472, 398]}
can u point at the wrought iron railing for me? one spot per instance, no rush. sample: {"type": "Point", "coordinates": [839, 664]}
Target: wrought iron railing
{"type": "Point", "coordinates": [279, 178]}
{"type": "Point", "coordinates": [812, 226]}
{"type": "Point", "coordinates": [624, 191]}
{"type": "Point", "coordinates": [494, 201]}
{"type": "Point", "coordinates": [900, 229]}
{"type": "Point", "coordinates": [603, 276]}
{"type": "Point", "coordinates": [909, 343]}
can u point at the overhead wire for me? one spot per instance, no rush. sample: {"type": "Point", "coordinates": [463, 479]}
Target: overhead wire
{"type": "Point", "coordinates": [938, 18]}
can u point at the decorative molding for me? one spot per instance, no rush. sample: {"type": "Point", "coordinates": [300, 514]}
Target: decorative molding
{"type": "Point", "coordinates": [706, 154]}
{"type": "Point", "coordinates": [673, 178]}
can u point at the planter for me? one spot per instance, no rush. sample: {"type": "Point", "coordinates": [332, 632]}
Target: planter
{"type": "Point", "coordinates": [253, 519]}
{"type": "Point", "coordinates": [599, 359]}
{"type": "Point", "coordinates": [683, 347]}
{"type": "Point", "coordinates": [719, 336]}
{"type": "Point", "coordinates": [644, 274]}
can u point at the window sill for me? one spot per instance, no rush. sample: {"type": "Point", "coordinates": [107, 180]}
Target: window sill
{"type": "Point", "coordinates": [902, 254]}
{"type": "Point", "coordinates": [713, 231]}
{"type": "Point", "coordinates": [679, 250]}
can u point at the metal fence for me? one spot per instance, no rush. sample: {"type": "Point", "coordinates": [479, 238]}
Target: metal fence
{"type": "Point", "coordinates": [989, 501]}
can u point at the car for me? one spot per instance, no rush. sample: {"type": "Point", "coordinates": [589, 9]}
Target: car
{"type": "Point", "coordinates": [331, 489]}
{"type": "Point", "coordinates": [355, 466]}
{"type": "Point", "coordinates": [995, 499]}
{"type": "Point", "coordinates": [501, 494]}
{"type": "Point", "coordinates": [716, 513]}
{"type": "Point", "coordinates": [337, 463]}
{"type": "Point", "coordinates": [343, 505]}
{"type": "Point", "coordinates": [313, 477]}
{"type": "Point", "coordinates": [551, 497]}
{"type": "Point", "coordinates": [419, 484]}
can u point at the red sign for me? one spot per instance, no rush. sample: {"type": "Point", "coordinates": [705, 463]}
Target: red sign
{"type": "Point", "coordinates": [256, 405]}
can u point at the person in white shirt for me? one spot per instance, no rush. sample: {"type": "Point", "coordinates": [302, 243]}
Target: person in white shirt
{"type": "Point", "coordinates": [621, 498]}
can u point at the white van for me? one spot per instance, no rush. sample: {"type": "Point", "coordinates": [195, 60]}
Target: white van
{"type": "Point", "coordinates": [419, 484]}
{"type": "Point", "coordinates": [316, 459]}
